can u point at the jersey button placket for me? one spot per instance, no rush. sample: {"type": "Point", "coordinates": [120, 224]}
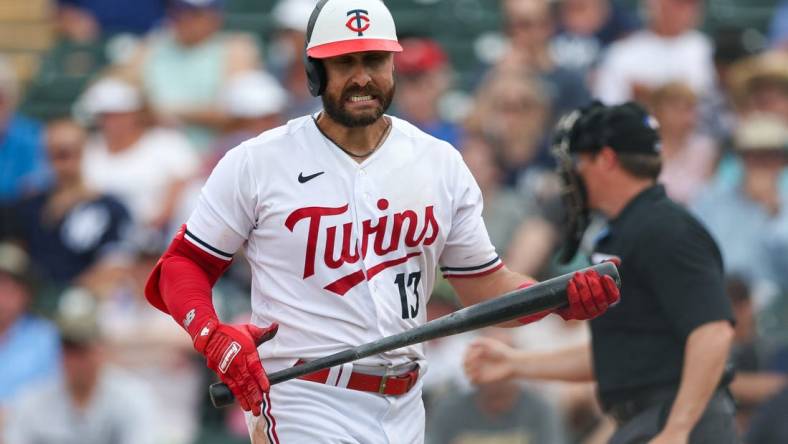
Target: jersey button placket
{"type": "Point", "coordinates": [363, 180]}
{"type": "Point", "coordinates": [364, 211]}
{"type": "Point", "coordinates": [361, 199]}
{"type": "Point", "coordinates": [363, 206]}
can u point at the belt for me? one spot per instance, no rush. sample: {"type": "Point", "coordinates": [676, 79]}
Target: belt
{"type": "Point", "coordinates": [624, 411]}
{"type": "Point", "coordinates": [385, 384]}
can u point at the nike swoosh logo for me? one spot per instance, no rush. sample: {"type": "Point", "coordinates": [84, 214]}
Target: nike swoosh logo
{"type": "Point", "coordinates": [305, 179]}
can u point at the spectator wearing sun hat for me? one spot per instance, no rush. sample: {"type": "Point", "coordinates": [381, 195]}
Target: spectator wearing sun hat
{"type": "Point", "coordinates": [286, 52]}
{"type": "Point", "coordinates": [27, 341]}
{"type": "Point", "coordinates": [253, 96]}
{"type": "Point", "coordinates": [749, 220]}
{"type": "Point", "coordinates": [255, 102]}
{"type": "Point", "coordinates": [144, 166]}
{"type": "Point", "coordinates": [760, 84]}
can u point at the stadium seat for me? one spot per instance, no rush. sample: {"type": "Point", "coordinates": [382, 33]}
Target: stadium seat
{"type": "Point", "coordinates": [259, 24]}
{"type": "Point", "coordinates": [741, 13]}
{"type": "Point", "coordinates": [65, 71]}
{"type": "Point", "coordinates": [15, 11]}
{"type": "Point", "coordinates": [26, 36]}
{"type": "Point", "coordinates": [25, 64]}
{"type": "Point", "coordinates": [249, 6]}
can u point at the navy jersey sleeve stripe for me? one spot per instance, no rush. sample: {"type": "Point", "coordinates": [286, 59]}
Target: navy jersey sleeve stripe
{"type": "Point", "coordinates": [478, 267]}
{"type": "Point", "coordinates": [206, 245]}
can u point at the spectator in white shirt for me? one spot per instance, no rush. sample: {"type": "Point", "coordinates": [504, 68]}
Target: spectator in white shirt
{"type": "Point", "coordinates": [145, 167]}
{"type": "Point", "coordinates": [670, 49]}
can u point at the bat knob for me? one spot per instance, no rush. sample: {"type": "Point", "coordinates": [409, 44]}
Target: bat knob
{"type": "Point", "coordinates": [609, 268]}
{"type": "Point", "coordinates": [220, 394]}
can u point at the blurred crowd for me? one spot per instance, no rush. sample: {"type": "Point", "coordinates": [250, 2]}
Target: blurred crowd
{"type": "Point", "coordinates": [90, 199]}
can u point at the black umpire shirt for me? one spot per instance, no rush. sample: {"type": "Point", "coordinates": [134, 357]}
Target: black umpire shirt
{"type": "Point", "coordinates": [671, 283]}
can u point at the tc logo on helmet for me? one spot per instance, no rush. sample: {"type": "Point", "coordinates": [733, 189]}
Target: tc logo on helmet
{"type": "Point", "coordinates": [355, 23]}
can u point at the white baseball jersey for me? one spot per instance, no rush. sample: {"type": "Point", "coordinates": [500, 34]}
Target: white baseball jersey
{"type": "Point", "coordinates": [343, 253]}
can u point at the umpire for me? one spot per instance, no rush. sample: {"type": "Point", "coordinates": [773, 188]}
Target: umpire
{"type": "Point", "coordinates": [659, 357]}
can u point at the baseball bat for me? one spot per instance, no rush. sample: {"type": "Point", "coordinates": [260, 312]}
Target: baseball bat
{"type": "Point", "coordinates": [546, 295]}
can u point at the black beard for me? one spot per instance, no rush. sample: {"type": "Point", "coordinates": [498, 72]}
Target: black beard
{"type": "Point", "coordinates": [336, 110]}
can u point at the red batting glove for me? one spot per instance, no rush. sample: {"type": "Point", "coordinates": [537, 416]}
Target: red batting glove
{"type": "Point", "coordinates": [589, 296]}
{"type": "Point", "coordinates": [231, 352]}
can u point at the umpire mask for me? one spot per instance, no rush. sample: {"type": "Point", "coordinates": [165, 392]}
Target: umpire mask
{"type": "Point", "coordinates": [626, 128]}
{"type": "Point", "coordinates": [573, 190]}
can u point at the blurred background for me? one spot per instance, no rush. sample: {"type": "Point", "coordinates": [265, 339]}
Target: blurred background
{"type": "Point", "coordinates": [113, 113]}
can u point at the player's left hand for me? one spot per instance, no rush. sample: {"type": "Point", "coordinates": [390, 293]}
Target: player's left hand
{"type": "Point", "coordinates": [231, 352]}
{"type": "Point", "coordinates": [589, 296]}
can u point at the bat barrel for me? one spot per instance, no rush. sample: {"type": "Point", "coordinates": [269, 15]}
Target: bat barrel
{"type": "Point", "coordinates": [546, 295]}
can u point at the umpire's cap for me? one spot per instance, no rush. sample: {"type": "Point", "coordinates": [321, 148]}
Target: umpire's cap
{"type": "Point", "coordinates": [626, 128]}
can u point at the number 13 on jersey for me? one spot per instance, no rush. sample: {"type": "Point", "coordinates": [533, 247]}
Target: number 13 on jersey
{"type": "Point", "coordinates": [408, 283]}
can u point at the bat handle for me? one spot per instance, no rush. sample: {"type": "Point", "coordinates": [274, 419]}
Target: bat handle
{"type": "Point", "coordinates": [220, 394]}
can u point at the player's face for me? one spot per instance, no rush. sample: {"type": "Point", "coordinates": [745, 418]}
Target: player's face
{"type": "Point", "coordinates": [360, 87]}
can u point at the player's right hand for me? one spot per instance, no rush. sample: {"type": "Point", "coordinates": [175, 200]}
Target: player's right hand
{"type": "Point", "coordinates": [231, 352]}
{"type": "Point", "coordinates": [488, 360]}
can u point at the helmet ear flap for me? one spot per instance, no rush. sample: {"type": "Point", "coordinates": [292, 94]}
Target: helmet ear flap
{"type": "Point", "coordinates": [315, 70]}
{"type": "Point", "coordinates": [315, 75]}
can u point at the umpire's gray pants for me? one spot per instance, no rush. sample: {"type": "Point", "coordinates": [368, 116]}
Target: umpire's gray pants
{"type": "Point", "coordinates": [716, 426]}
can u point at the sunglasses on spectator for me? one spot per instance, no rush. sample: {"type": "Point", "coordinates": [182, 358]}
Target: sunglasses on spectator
{"type": "Point", "coordinates": [64, 152]}
{"type": "Point", "coordinates": [775, 154]}
{"type": "Point", "coordinates": [516, 106]}
{"type": "Point", "coordinates": [526, 23]}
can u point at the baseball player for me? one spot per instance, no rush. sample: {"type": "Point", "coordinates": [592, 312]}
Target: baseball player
{"type": "Point", "coordinates": [345, 217]}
